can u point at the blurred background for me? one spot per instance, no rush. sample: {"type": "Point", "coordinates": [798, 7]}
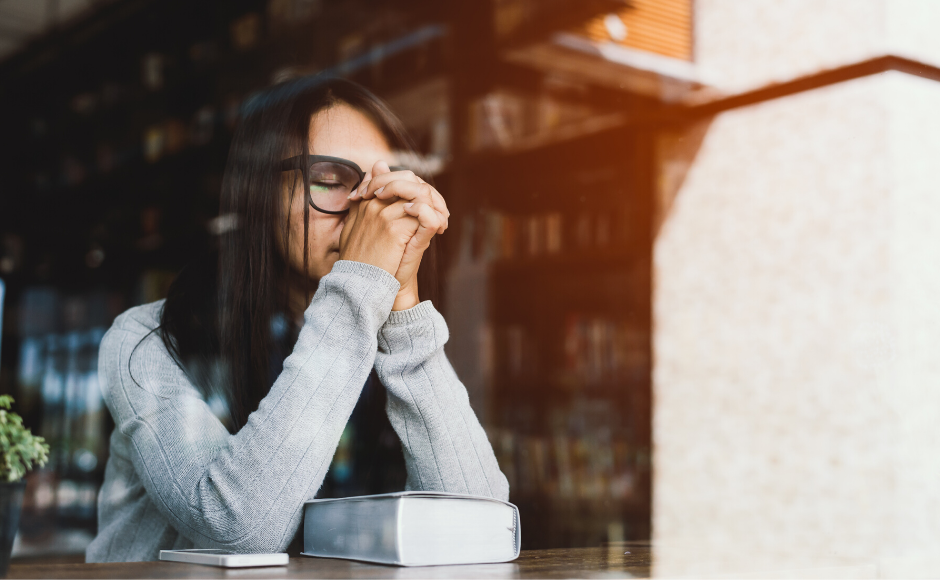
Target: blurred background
{"type": "Point", "coordinates": [744, 155]}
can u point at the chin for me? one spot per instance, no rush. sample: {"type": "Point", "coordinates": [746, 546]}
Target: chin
{"type": "Point", "coordinates": [321, 267]}
{"type": "Point", "coordinates": [330, 259]}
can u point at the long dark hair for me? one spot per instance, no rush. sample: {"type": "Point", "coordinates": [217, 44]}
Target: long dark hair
{"type": "Point", "coordinates": [218, 314]}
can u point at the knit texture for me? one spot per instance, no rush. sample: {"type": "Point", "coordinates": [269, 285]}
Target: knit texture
{"type": "Point", "coordinates": [177, 479]}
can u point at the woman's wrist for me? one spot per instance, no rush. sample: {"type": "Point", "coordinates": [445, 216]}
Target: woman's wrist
{"type": "Point", "coordinates": [407, 296]}
{"type": "Point", "coordinates": [404, 300]}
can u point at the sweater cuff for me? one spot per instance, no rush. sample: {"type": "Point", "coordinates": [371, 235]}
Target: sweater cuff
{"type": "Point", "coordinates": [369, 271]}
{"type": "Point", "coordinates": [422, 311]}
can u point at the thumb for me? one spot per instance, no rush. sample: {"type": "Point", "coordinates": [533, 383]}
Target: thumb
{"type": "Point", "coordinates": [380, 167]}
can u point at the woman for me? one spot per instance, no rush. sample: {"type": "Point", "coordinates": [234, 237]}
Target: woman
{"type": "Point", "coordinates": [208, 451]}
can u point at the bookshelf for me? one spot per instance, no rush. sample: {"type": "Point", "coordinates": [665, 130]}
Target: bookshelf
{"type": "Point", "coordinates": [113, 177]}
{"type": "Point", "coordinates": [562, 233]}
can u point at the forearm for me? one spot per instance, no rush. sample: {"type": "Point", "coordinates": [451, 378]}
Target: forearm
{"type": "Point", "coordinates": [245, 491]}
{"type": "Point", "coordinates": [445, 447]}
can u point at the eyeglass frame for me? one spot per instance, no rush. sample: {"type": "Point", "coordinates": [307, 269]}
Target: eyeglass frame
{"type": "Point", "coordinates": [292, 163]}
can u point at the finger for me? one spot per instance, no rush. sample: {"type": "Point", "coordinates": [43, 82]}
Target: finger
{"type": "Point", "coordinates": [414, 192]}
{"type": "Point", "coordinates": [380, 167]}
{"type": "Point", "coordinates": [429, 222]}
{"type": "Point", "coordinates": [393, 209]}
{"type": "Point", "coordinates": [440, 205]}
{"type": "Point", "coordinates": [438, 200]}
{"type": "Point", "coordinates": [381, 181]}
{"type": "Point", "coordinates": [404, 189]}
{"type": "Point", "coordinates": [375, 206]}
{"type": "Point", "coordinates": [357, 193]}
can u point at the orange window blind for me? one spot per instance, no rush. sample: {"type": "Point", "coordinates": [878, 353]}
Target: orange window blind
{"type": "Point", "coordinates": [659, 26]}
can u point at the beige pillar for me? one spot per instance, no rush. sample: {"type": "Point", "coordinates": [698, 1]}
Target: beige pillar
{"type": "Point", "coordinates": [797, 312]}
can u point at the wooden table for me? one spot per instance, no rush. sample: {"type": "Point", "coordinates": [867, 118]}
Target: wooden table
{"type": "Point", "coordinates": [605, 562]}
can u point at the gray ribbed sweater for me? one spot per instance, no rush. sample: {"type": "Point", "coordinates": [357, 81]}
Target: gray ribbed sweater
{"type": "Point", "coordinates": [176, 478]}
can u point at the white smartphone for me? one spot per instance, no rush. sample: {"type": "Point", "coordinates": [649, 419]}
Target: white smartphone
{"type": "Point", "coordinates": [224, 558]}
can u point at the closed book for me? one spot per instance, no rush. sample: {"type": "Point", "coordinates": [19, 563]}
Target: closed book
{"type": "Point", "coordinates": [413, 528]}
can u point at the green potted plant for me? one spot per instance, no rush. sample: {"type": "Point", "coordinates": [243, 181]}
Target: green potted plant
{"type": "Point", "coordinates": [21, 451]}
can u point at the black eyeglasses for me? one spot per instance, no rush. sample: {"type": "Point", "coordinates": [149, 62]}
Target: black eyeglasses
{"type": "Point", "coordinates": [328, 181]}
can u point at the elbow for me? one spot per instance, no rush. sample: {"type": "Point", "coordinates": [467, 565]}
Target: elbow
{"type": "Point", "coordinates": [247, 538]}
{"type": "Point", "coordinates": [272, 538]}
{"type": "Point", "coordinates": [497, 486]}
{"type": "Point", "coordinates": [265, 543]}
{"type": "Point", "coordinates": [270, 533]}
{"type": "Point", "coordinates": [225, 521]}
{"type": "Point", "coordinates": [226, 529]}
{"type": "Point", "coordinates": [502, 488]}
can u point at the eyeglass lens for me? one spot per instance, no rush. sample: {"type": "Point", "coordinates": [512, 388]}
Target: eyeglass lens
{"type": "Point", "coordinates": [330, 185]}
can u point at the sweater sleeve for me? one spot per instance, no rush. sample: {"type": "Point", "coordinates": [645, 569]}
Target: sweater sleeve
{"type": "Point", "coordinates": [245, 491]}
{"type": "Point", "coordinates": [445, 447]}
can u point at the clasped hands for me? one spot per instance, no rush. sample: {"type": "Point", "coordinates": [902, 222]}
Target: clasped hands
{"type": "Point", "coordinates": [392, 217]}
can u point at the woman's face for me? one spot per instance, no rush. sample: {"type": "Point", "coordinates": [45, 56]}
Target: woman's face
{"type": "Point", "coordinates": [339, 131]}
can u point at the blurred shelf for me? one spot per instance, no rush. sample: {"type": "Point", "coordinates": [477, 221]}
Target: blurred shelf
{"type": "Point", "coordinates": [581, 140]}
{"type": "Point", "coordinates": [60, 543]}
{"type": "Point", "coordinates": [558, 136]}
{"type": "Point", "coordinates": [582, 503]}
{"type": "Point", "coordinates": [137, 168]}
{"type": "Point", "coordinates": [585, 262]}
{"type": "Point", "coordinates": [556, 385]}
